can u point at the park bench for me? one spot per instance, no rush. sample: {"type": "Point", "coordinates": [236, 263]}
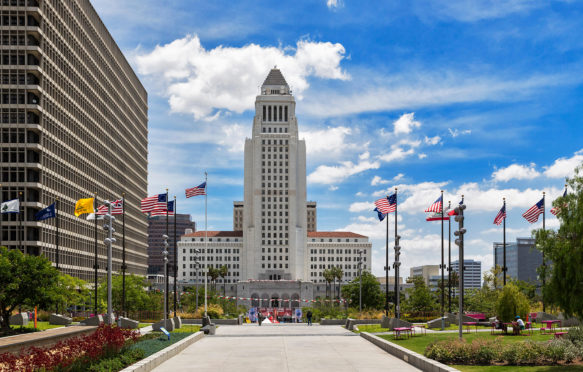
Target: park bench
{"type": "Point", "coordinates": [560, 334]}
{"type": "Point", "coordinates": [397, 332]}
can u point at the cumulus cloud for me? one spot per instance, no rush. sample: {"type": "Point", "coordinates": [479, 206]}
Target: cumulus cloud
{"type": "Point", "coordinates": [564, 167]}
{"type": "Point", "coordinates": [517, 172]}
{"type": "Point", "coordinates": [432, 140]}
{"type": "Point", "coordinates": [376, 180]}
{"type": "Point", "coordinates": [361, 206]}
{"type": "Point", "coordinates": [406, 123]}
{"type": "Point", "coordinates": [201, 81]}
{"type": "Point", "coordinates": [456, 132]}
{"type": "Point", "coordinates": [400, 150]}
{"type": "Point", "coordinates": [333, 4]}
{"type": "Point", "coordinates": [329, 142]}
{"type": "Point", "coordinates": [327, 175]}
{"type": "Point", "coordinates": [422, 156]}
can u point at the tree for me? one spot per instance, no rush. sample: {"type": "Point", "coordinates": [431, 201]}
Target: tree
{"type": "Point", "coordinates": [420, 297]}
{"type": "Point", "coordinates": [214, 274]}
{"type": "Point", "coordinates": [328, 276]}
{"type": "Point", "coordinates": [137, 297]}
{"type": "Point", "coordinates": [25, 281]}
{"type": "Point", "coordinates": [338, 274]}
{"type": "Point", "coordinates": [563, 251]}
{"type": "Point", "coordinates": [372, 296]}
{"type": "Point", "coordinates": [511, 302]}
{"type": "Point", "coordinates": [493, 278]}
{"type": "Point", "coordinates": [223, 272]}
{"type": "Point", "coordinates": [484, 300]}
{"type": "Point", "coordinates": [70, 291]}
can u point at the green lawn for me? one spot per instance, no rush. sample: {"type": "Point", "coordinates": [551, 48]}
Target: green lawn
{"type": "Point", "coordinates": [143, 325]}
{"type": "Point", "coordinates": [187, 328]}
{"type": "Point", "coordinates": [41, 326]}
{"type": "Point", "coordinates": [371, 328]}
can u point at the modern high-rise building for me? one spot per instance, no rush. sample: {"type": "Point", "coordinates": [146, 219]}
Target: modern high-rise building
{"type": "Point", "coordinates": [158, 226]}
{"type": "Point", "coordinates": [73, 122]}
{"type": "Point", "coordinates": [522, 259]}
{"type": "Point", "coordinates": [472, 273]}
{"type": "Point", "coordinates": [426, 272]}
{"type": "Point", "coordinates": [274, 250]}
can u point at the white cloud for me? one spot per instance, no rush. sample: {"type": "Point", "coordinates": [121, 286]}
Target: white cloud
{"type": "Point", "coordinates": [200, 81]}
{"type": "Point", "coordinates": [564, 167]}
{"type": "Point", "coordinates": [516, 171]}
{"type": "Point", "coordinates": [456, 132]}
{"type": "Point", "coordinates": [333, 188]}
{"type": "Point", "coordinates": [361, 207]}
{"type": "Point", "coordinates": [422, 156]}
{"type": "Point", "coordinates": [398, 151]}
{"type": "Point", "coordinates": [474, 10]}
{"type": "Point", "coordinates": [376, 180]}
{"type": "Point", "coordinates": [332, 4]}
{"type": "Point", "coordinates": [432, 140]}
{"type": "Point", "coordinates": [360, 194]}
{"type": "Point", "coordinates": [325, 174]}
{"type": "Point", "coordinates": [406, 123]}
{"type": "Point", "coordinates": [329, 142]}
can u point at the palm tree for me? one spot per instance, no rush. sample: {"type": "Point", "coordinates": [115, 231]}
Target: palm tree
{"type": "Point", "coordinates": [214, 274]}
{"type": "Point", "coordinates": [338, 274]}
{"type": "Point", "coordinates": [328, 276]}
{"type": "Point", "coordinates": [223, 271]}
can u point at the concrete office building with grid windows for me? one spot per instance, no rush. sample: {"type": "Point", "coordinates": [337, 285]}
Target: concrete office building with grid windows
{"type": "Point", "coordinates": [73, 122]}
{"type": "Point", "coordinates": [274, 246]}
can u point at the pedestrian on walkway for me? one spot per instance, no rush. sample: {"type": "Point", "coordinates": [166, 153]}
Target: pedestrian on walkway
{"type": "Point", "coordinates": [309, 316]}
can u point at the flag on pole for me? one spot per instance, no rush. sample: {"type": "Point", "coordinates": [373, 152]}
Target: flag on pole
{"type": "Point", "coordinates": [46, 213]}
{"type": "Point", "coordinates": [438, 217]}
{"type": "Point", "coordinates": [84, 206]}
{"type": "Point", "coordinates": [91, 217]}
{"type": "Point", "coordinates": [198, 190]}
{"type": "Point", "coordinates": [11, 206]}
{"type": "Point", "coordinates": [436, 206]}
{"type": "Point", "coordinates": [116, 208]}
{"type": "Point", "coordinates": [387, 204]}
{"type": "Point", "coordinates": [501, 216]}
{"type": "Point", "coordinates": [381, 215]}
{"type": "Point", "coordinates": [154, 202]}
{"type": "Point", "coordinates": [452, 212]}
{"type": "Point", "coordinates": [556, 210]}
{"type": "Point", "coordinates": [163, 212]}
{"type": "Point", "coordinates": [536, 210]}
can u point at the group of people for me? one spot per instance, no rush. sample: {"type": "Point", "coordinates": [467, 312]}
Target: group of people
{"type": "Point", "coordinates": [517, 325]}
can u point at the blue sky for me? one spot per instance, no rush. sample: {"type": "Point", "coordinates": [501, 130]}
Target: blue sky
{"type": "Point", "coordinates": [481, 98]}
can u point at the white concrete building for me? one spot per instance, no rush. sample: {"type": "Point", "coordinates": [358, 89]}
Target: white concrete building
{"type": "Point", "coordinates": [274, 237]}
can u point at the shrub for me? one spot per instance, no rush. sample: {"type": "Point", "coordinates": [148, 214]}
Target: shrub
{"type": "Point", "coordinates": [215, 311]}
{"type": "Point", "coordinates": [511, 302]}
{"type": "Point", "coordinates": [575, 334]}
{"type": "Point", "coordinates": [561, 349]}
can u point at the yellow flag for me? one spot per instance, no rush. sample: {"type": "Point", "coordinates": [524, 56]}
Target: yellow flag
{"type": "Point", "coordinates": [84, 206]}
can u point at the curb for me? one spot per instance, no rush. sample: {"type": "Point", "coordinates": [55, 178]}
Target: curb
{"type": "Point", "coordinates": [154, 360]}
{"type": "Point", "coordinates": [411, 357]}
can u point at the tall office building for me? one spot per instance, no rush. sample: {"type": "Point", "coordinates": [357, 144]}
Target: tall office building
{"type": "Point", "coordinates": [522, 259]}
{"type": "Point", "coordinates": [73, 122]}
{"type": "Point", "coordinates": [472, 273]}
{"type": "Point", "coordinates": [427, 272]}
{"type": "Point", "coordinates": [156, 228]}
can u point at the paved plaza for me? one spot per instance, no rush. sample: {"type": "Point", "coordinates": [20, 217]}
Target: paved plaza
{"type": "Point", "coordinates": [283, 347]}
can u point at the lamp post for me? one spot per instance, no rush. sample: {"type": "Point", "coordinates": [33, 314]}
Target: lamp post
{"type": "Point", "coordinates": [109, 242]}
{"type": "Point", "coordinates": [196, 267]}
{"type": "Point", "coordinates": [460, 243]}
{"type": "Point", "coordinates": [165, 253]}
{"type": "Point", "coordinates": [360, 281]}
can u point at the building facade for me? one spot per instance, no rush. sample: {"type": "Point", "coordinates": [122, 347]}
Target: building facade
{"type": "Point", "coordinates": [156, 228]}
{"type": "Point", "coordinates": [522, 259]}
{"type": "Point", "coordinates": [472, 273]}
{"type": "Point", "coordinates": [426, 272]}
{"type": "Point", "coordinates": [73, 122]}
{"type": "Point", "coordinates": [274, 239]}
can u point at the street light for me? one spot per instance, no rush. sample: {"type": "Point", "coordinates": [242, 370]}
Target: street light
{"type": "Point", "coordinates": [459, 218]}
{"type": "Point", "coordinates": [109, 242]}
{"type": "Point", "coordinates": [396, 265]}
{"type": "Point", "coordinates": [360, 281]}
{"type": "Point", "coordinates": [165, 253]}
{"type": "Point", "coordinates": [196, 267]}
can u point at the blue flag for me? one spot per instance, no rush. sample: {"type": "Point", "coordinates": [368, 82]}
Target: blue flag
{"type": "Point", "coordinates": [381, 215]}
{"type": "Point", "coordinates": [45, 214]}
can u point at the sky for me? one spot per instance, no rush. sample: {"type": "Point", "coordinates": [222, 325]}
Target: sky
{"type": "Point", "coordinates": [473, 97]}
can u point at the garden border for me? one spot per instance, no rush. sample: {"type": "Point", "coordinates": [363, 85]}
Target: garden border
{"type": "Point", "coordinates": [407, 355]}
{"type": "Point", "coordinates": [154, 360]}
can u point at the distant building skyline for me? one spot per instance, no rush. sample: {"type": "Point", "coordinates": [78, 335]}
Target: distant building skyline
{"type": "Point", "coordinates": [522, 259]}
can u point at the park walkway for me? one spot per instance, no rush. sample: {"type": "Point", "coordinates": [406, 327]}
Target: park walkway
{"type": "Point", "coordinates": [283, 347]}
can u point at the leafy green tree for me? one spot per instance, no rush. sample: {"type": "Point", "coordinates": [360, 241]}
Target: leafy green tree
{"type": "Point", "coordinates": [328, 277]}
{"type": "Point", "coordinates": [371, 291]}
{"type": "Point", "coordinates": [70, 291]}
{"type": "Point", "coordinates": [223, 272]}
{"type": "Point", "coordinates": [214, 274]}
{"type": "Point", "coordinates": [338, 274]}
{"type": "Point", "coordinates": [511, 302]}
{"type": "Point", "coordinates": [137, 297]}
{"type": "Point", "coordinates": [420, 297]}
{"type": "Point", "coordinates": [563, 251]}
{"type": "Point", "coordinates": [25, 281]}
{"type": "Point", "coordinates": [485, 299]}
{"type": "Point", "coordinates": [493, 278]}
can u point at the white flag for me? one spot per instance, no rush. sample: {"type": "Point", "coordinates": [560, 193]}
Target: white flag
{"type": "Point", "coordinates": [91, 217]}
{"type": "Point", "coordinates": [11, 206]}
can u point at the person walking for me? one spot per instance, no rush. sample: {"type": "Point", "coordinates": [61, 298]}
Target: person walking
{"type": "Point", "coordinates": [309, 316]}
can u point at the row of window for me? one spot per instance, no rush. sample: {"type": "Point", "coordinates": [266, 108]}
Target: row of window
{"type": "Point", "coordinates": [277, 113]}
{"type": "Point", "coordinates": [337, 251]}
{"type": "Point", "coordinates": [281, 266]}
{"type": "Point", "coordinates": [275, 129]}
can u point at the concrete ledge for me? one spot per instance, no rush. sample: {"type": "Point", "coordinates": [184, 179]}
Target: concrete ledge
{"type": "Point", "coordinates": [411, 357]}
{"type": "Point", "coordinates": [332, 321]}
{"type": "Point", "coordinates": [215, 321]}
{"type": "Point", "coordinates": [13, 344]}
{"type": "Point", "coordinates": [154, 360]}
{"type": "Point", "coordinates": [350, 323]}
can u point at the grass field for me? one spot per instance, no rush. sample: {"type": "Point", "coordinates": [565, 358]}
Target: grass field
{"type": "Point", "coordinates": [41, 326]}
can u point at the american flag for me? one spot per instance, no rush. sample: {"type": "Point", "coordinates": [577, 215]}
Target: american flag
{"type": "Point", "coordinates": [162, 211]}
{"type": "Point", "coordinates": [536, 210]}
{"type": "Point", "coordinates": [381, 215]}
{"type": "Point", "coordinates": [436, 207]}
{"type": "Point", "coordinates": [557, 210]}
{"type": "Point", "coordinates": [452, 212]}
{"type": "Point", "coordinates": [117, 208]}
{"type": "Point", "coordinates": [198, 190]}
{"type": "Point", "coordinates": [154, 202]}
{"type": "Point", "coordinates": [386, 205]}
{"type": "Point", "coordinates": [501, 215]}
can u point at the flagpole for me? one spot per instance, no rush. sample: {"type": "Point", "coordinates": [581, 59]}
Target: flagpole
{"type": "Point", "coordinates": [442, 267]}
{"type": "Point", "coordinates": [175, 256]}
{"type": "Point", "coordinates": [166, 279]}
{"type": "Point", "coordinates": [1, 218]}
{"type": "Point", "coordinates": [387, 270]}
{"type": "Point", "coordinates": [504, 243]}
{"type": "Point", "coordinates": [205, 241]}
{"type": "Point", "coordinates": [397, 299]}
{"type": "Point", "coordinates": [123, 254]}
{"type": "Point", "coordinates": [449, 260]}
{"type": "Point", "coordinates": [57, 237]}
{"type": "Point", "coordinates": [95, 266]}
{"type": "Point", "coordinates": [21, 213]}
{"type": "Point", "coordinates": [543, 253]}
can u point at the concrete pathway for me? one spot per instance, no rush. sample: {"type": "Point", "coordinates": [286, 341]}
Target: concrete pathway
{"type": "Point", "coordinates": [283, 347]}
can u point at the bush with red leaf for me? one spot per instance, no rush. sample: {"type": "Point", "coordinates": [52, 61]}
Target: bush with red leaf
{"type": "Point", "coordinates": [104, 342]}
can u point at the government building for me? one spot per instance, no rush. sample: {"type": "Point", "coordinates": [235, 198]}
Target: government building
{"type": "Point", "coordinates": [275, 255]}
{"type": "Point", "coordinates": [73, 122]}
